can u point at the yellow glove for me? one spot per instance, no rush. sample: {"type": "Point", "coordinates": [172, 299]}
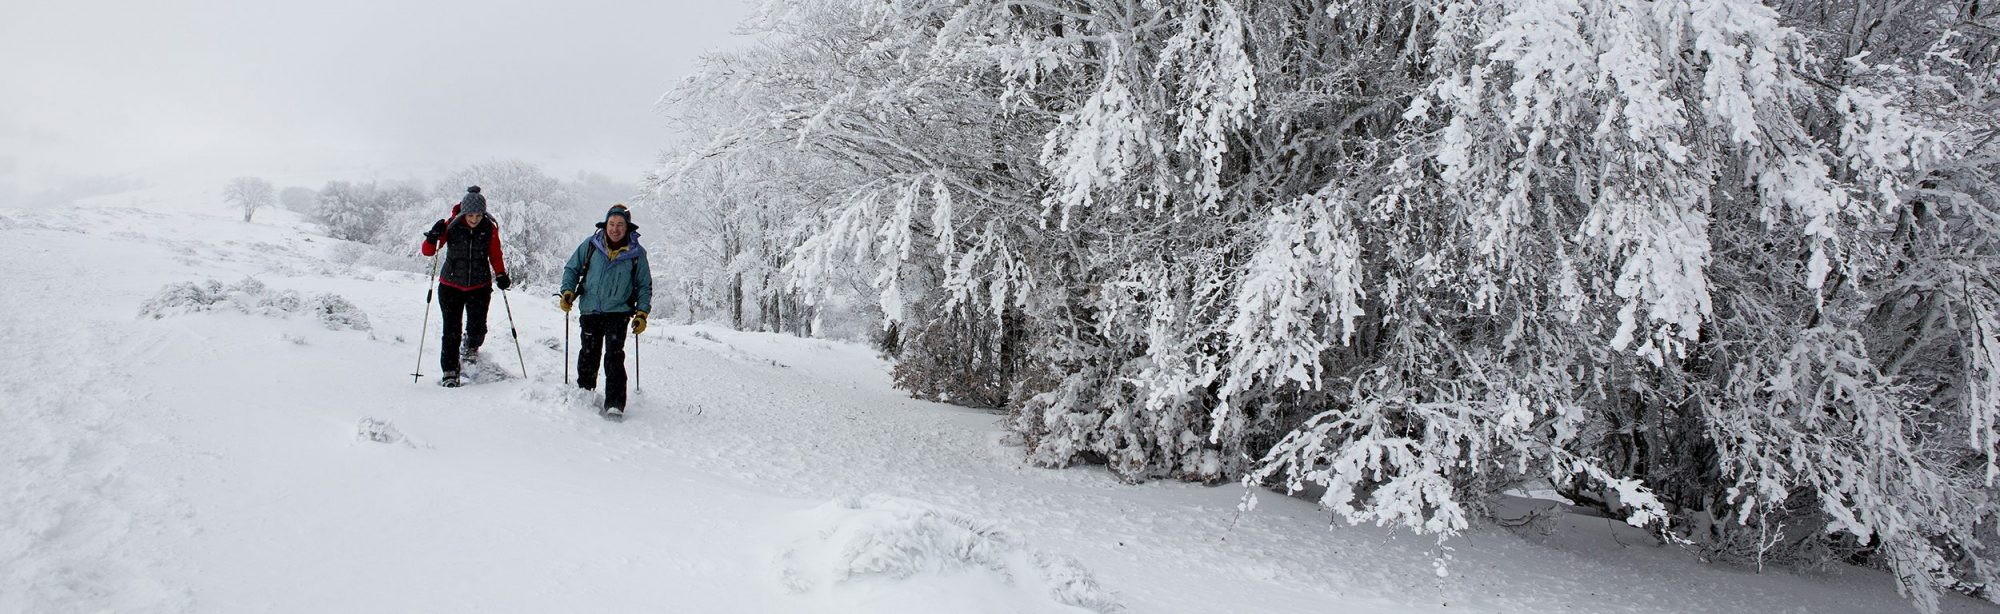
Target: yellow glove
{"type": "Point", "coordinates": [567, 301]}
{"type": "Point", "coordinates": [638, 322]}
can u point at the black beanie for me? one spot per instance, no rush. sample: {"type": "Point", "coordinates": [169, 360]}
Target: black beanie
{"type": "Point", "coordinates": [620, 211]}
{"type": "Point", "coordinates": [473, 189]}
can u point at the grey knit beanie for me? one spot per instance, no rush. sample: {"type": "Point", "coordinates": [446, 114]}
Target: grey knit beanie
{"type": "Point", "coordinates": [474, 202]}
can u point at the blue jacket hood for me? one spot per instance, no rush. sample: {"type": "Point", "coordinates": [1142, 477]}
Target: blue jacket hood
{"type": "Point", "coordinates": [633, 251]}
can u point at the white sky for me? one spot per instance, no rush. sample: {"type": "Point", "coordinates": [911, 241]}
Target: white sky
{"type": "Point", "coordinates": [320, 89]}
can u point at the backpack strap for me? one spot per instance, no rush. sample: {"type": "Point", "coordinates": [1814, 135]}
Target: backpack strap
{"type": "Point", "coordinates": [583, 272]}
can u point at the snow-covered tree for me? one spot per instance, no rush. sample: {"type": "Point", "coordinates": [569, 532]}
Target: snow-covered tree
{"type": "Point", "coordinates": [249, 194]}
{"type": "Point", "coordinates": [371, 212]}
{"type": "Point", "coordinates": [347, 210]}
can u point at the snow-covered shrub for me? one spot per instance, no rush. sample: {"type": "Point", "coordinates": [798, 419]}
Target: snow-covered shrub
{"type": "Point", "coordinates": [247, 296]}
{"type": "Point", "coordinates": [252, 297]}
{"type": "Point", "coordinates": [880, 537]}
{"type": "Point", "coordinates": [337, 313]}
{"type": "Point", "coordinates": [181, 298]}
{"type": "Point", "coordinates": [955, 361]}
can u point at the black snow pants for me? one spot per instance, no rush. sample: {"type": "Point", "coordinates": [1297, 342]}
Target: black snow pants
{"type": "Point", "coordinates": [464, 321]}
{"type": "Point", "coordinates": [604, 341]}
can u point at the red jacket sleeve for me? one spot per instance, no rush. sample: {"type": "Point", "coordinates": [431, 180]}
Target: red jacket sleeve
{"type": "Point", "coordinates": [428, 247]}
{"type": "Point", "coordinates": [493, 254]}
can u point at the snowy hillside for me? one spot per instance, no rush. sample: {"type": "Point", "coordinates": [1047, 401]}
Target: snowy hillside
{"type": "Point", "coordinates": [213, 455]}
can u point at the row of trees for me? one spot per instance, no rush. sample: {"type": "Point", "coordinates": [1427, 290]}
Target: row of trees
{"type": "Point", "coordinates": [541, 217]}
{"type": "Point", "coordinates": [1721, 267]}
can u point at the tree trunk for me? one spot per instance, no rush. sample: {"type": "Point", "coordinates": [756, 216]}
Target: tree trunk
{"type": "Point", "coordinates": [736, 301]}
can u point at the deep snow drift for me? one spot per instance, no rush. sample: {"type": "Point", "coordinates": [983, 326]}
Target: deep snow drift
{"type": "Point", "coordinates": [256, 444]}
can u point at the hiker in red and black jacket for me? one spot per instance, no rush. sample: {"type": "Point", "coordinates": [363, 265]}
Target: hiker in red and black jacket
{"type": "Point", "coordinates": [472, 265]}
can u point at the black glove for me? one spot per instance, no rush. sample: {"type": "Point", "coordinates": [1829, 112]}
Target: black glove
{"type": "Point", "coordinates": [437, 231]}
{"type": "Point", "coordinates": [503, 281]}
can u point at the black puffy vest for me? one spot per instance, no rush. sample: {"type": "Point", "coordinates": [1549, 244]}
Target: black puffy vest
{"type": "Point", "coordinates": [466, 264]}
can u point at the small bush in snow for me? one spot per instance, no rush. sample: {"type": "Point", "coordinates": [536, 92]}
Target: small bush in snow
{"type": "Point", "coordinates": [336, 313]}
{"type": "Point", "coordinates": [252, 297]}
{"type": "Point", "coordinates": [181, 298]}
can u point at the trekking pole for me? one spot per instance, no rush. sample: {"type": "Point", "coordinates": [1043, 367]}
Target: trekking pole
{"type": "Point", "coordinates": [516, 332]}
{"type": "Point", "coordinates": [431, 282]}
{"type": "Point", "coordinates": [638, 374]}
{"type": "Point", "coordinates": [565, 347]}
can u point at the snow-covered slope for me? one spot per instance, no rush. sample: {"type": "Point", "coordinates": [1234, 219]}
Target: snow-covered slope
{"type": "Point", "coordinates": [212, 459]}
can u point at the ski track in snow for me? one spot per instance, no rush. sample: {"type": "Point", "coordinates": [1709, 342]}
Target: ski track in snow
{"type": "Point", "coordinates": [209, 462]}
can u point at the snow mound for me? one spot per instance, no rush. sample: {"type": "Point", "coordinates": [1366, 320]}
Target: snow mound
{"type": "Point", "coordinates": [882, 551]}
{"type": "Point", "coordinates": [253, 297]}
{"type": "Point", "coordinates": [379, 431]}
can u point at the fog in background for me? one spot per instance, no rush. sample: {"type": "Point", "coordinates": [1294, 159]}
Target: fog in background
{"type": "Point", "coordinates": [96, 93]}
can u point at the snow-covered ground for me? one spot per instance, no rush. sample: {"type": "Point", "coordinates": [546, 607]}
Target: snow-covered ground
{"type": "Point", "coordinates": [213, 460]}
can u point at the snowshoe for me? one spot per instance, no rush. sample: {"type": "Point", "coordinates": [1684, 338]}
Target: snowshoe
{"type": "Point", "coordinates": [450, 380]}
{"type": "Point", "coordinates": [614, 414]}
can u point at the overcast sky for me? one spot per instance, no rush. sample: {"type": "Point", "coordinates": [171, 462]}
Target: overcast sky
{"type": "Point", "coordinates": [304, 89]}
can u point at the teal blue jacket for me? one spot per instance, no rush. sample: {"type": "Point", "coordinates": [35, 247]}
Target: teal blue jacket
{"type": "Point", "coordinates": [615, 283]}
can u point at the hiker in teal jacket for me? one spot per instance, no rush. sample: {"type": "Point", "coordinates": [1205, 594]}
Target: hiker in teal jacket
{"type": "Point", "coordinates": [608, 277]}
